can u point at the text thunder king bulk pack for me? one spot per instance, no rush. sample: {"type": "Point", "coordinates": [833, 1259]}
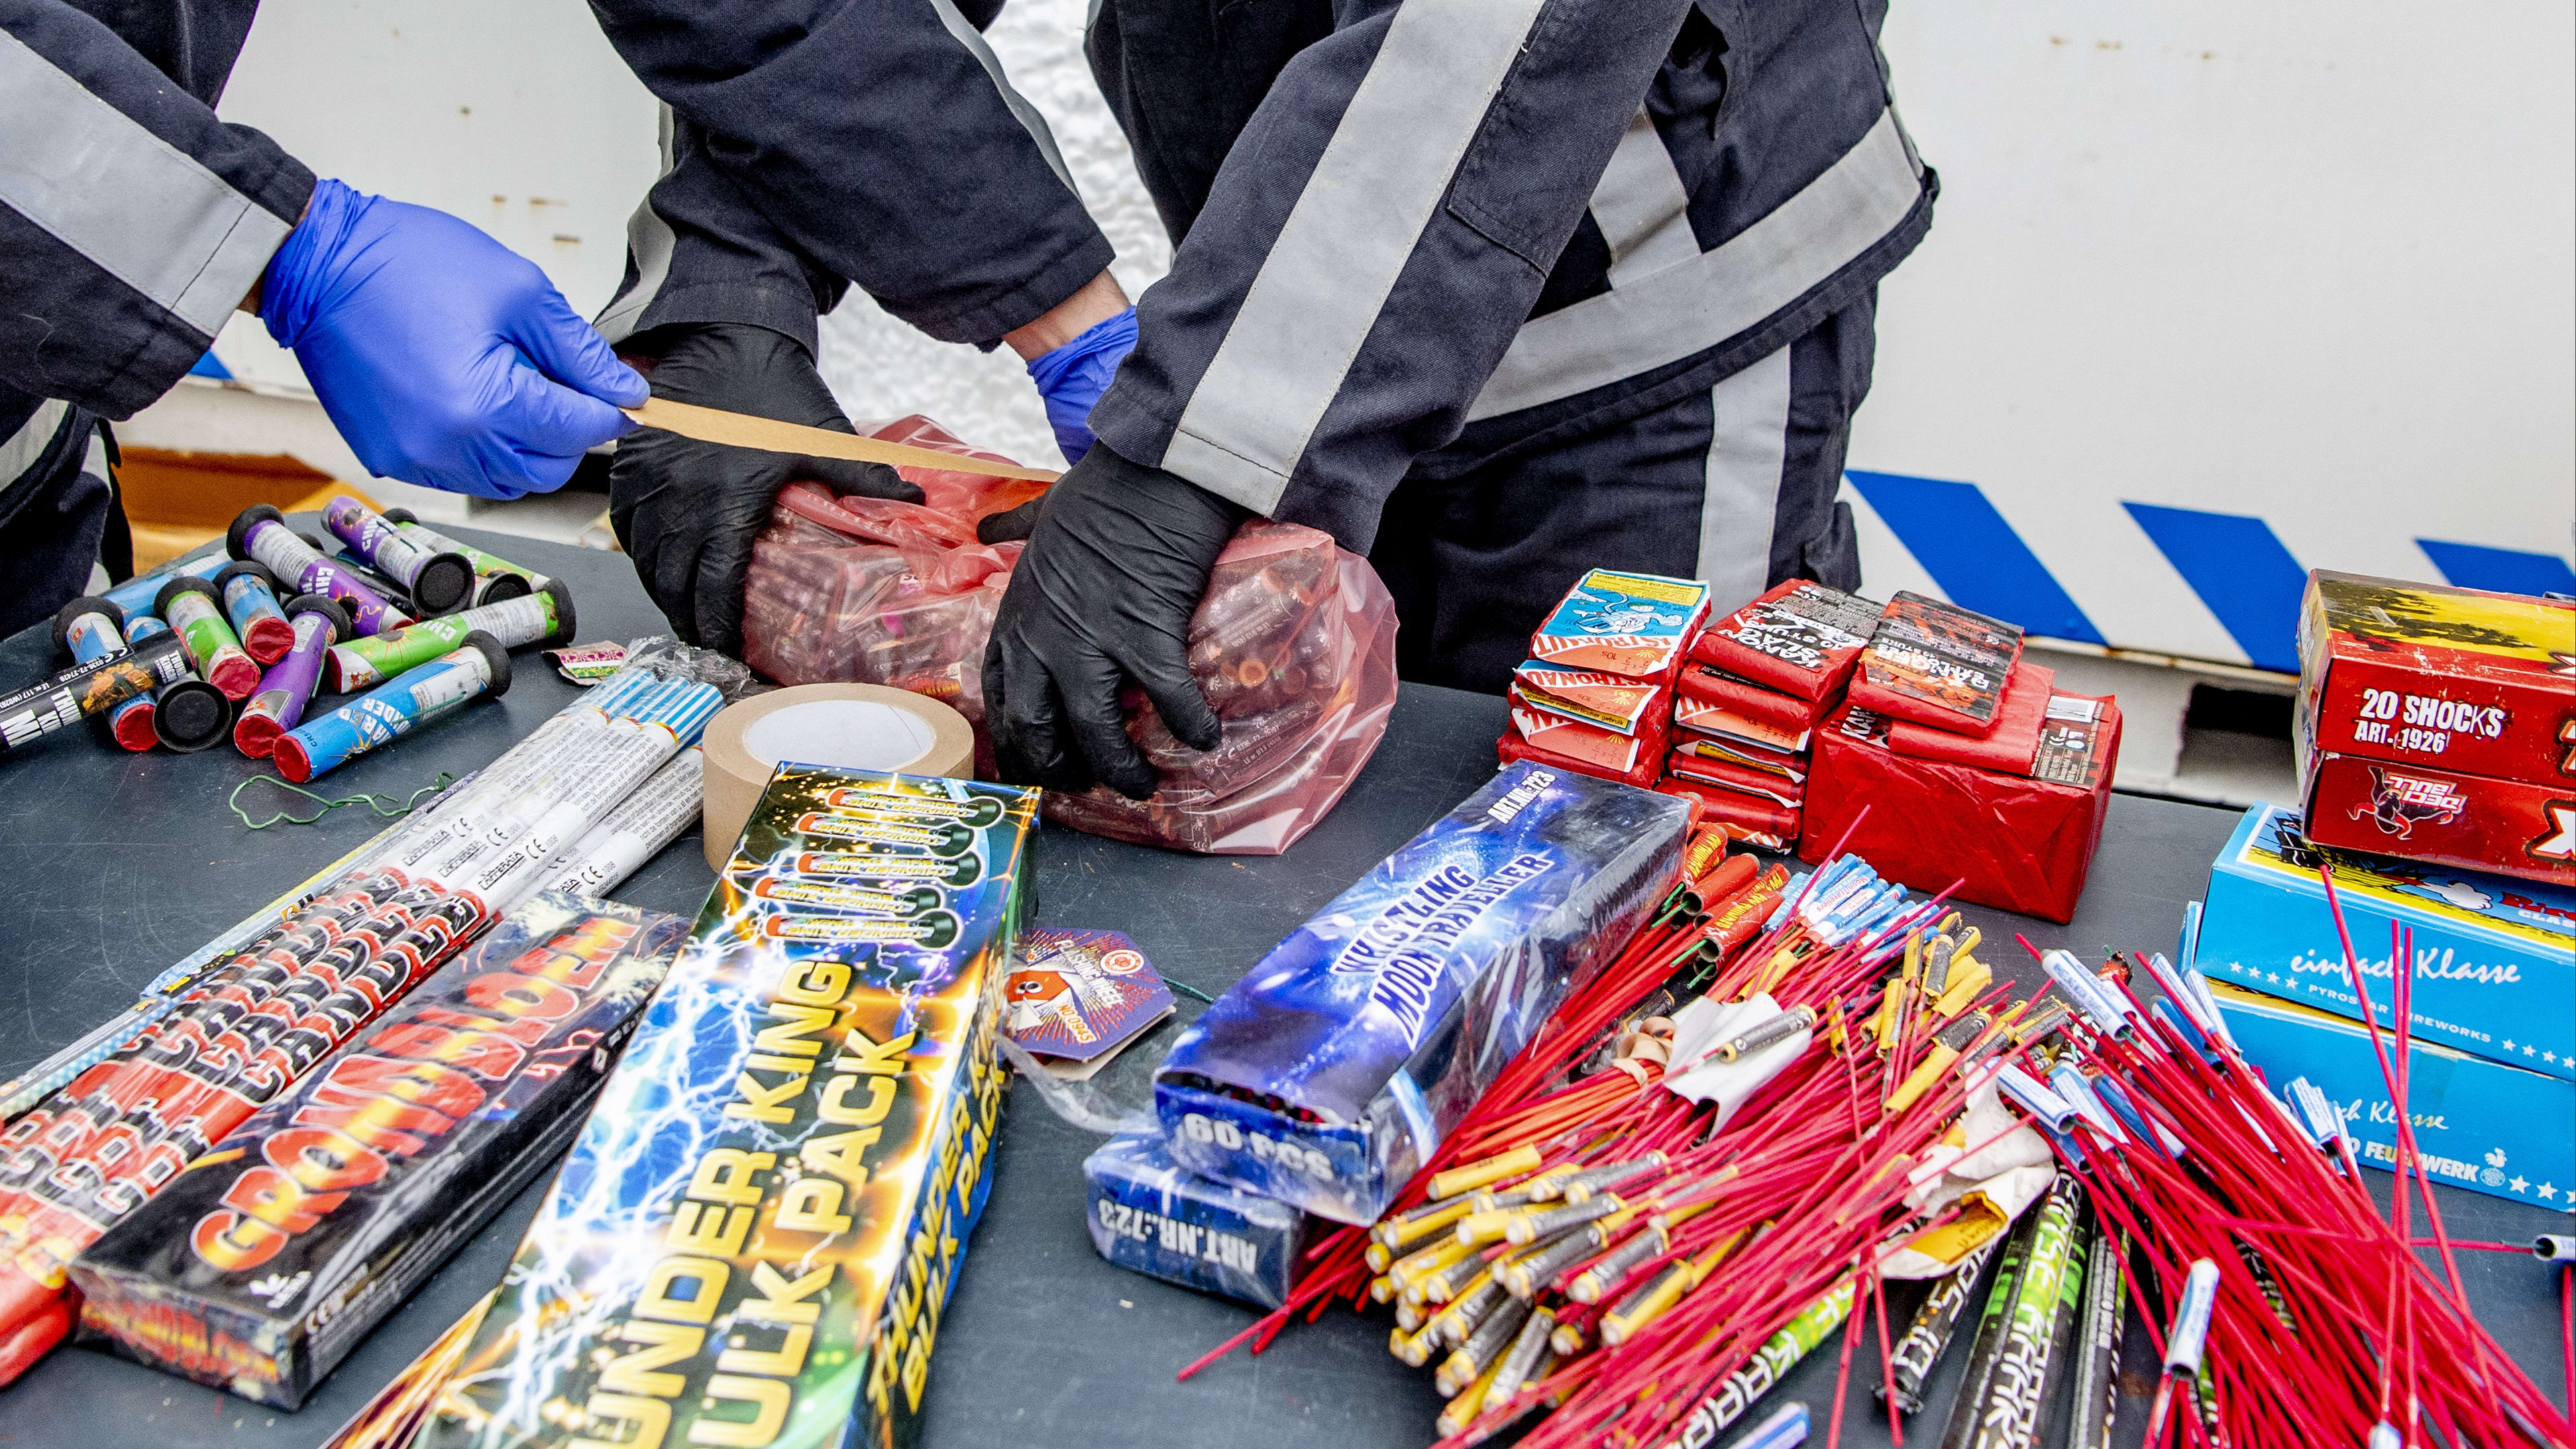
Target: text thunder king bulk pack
{"type": "Point", "coordinates": [754, 1235]}
{"type": "Point", "coordinates": [1332, 1070]}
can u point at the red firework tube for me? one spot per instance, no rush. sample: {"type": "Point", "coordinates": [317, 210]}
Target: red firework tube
{"type": "Point", "coordinates": [440, 581]}
{"type": "Point", "coordinates": [249, 594]}
{"type": "Point", "coordinates": [261, 533]}
{"type": "Point", "coordinates": [195, 613]}
{"type": "Point", "coordinates": [288, 685]}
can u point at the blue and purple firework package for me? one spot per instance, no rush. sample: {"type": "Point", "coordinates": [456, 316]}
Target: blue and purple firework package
{"type": "Point", "coordinates": [1331, 1071]}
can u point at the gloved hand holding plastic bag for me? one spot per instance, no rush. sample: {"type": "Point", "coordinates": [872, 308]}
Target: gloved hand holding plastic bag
{"type": "Point", "coordinates": [1294, 646]}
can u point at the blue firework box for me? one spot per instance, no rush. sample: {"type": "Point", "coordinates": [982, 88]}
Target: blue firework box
{"type": "Point", "coordinates": [1331, 1071]}
{"type": "Point", "coordinates": [2494, 956]}
{"type": "Point", "coordinates": [2481, 1125]}
{"type": "Point", "coordinates": [1150, 1215]}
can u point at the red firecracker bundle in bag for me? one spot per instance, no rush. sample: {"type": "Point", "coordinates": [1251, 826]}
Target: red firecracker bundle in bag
{"type": "Point", "coordinates": [1294, 645]}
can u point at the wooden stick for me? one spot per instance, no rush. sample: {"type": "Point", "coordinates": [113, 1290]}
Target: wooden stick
{"type": "Point", "coordinates": [740, 430]}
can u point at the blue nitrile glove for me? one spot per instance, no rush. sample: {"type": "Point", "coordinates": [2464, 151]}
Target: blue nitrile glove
{"type": "Point", "coordinates": [1073, 377]}
{"type": "Point", "coordinates": [431, 347]}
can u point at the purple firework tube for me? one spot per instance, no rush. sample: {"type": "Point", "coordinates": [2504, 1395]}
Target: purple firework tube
{"type": "Point", "coordinates": [499, 578]}
{"type": "Point", "coordinates": [440, 581]}
{"type": "Point", "coordinates": [544, 617]}
{"type": "Point", "coordinates": [288, 685]}
{"type": "Point", "coordinates": [261, 534]}
{"type": "Point", "coordinates": [481, 667]}
{"type": "Point", "coordinates": [89, 689]}
{"type": "Point", "coordinates": [135, 595]}
{"type": "Point", "coordinates": [195, 613]}
{"type": "Point", "coordinates": [249, 594]}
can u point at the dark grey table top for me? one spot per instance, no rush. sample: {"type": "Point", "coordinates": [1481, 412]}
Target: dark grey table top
{"type": "Point", "coordinates": [114, 865]}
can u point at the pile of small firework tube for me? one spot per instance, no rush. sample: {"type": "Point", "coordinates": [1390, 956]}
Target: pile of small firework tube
{"type": "Point", "coordinates": [417, 621]}
{"type": "Point", "coordinates": [584, 800]}
{"type": "Point", "coordinates": [1782, 1095]}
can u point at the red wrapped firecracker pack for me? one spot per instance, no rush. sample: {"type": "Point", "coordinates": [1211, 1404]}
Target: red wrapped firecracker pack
{"type": "Point", "coordinates": [2015, 740]}
{"type": "Point", "coordinates": [1616, 623]}
{"type": "Point", "coordinates": [1293, 644]}
{"type": "Point", "coordinates": [1784, 767]}
{"type": "Point", "coordinates": [1610, 701]}
{"type": "Point", "coordinates": [1937, 664]}
{"type": "Point", "coordinates": [2462, 680]}
{"type": "Point", "coordinates": [1727, 775]}
{"type": "Point", "coordinates": [1607, 752]}
{"type": "Point", "coordinates": [2017, 842]}
{"type": "Point", "coordinates": [1801, 638]}
{"type": "Point", "coordinates": [1649, 766]}
{"type": "Point", "coordinates": [1747, 818]}
{"type": "Point", "coordinates": [2444, 817]}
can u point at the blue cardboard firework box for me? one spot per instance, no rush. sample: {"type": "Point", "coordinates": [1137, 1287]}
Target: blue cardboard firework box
{"type": "Point", "coordinates": [2481, 1125]}
{"type": "Point", "coordinates": [2494, 956]}
{"type": "Point", "coordinates": [1330, 1072]}
{"type": "Point", "coordinates": [1150, 1215]}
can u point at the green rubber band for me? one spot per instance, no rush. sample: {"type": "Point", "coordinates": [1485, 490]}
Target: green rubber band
{"type": "Point", "coordinates": [1187, 989]}
{"type": "Point", "coordinates": [367, 799]}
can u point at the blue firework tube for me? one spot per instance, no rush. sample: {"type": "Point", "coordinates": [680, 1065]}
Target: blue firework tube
{"type": "Point", "coordinates": [288, 685]}
{"type": "Point", "coordinates": [136, 594]}
{"type": "Point", "coordinates": [444, 684]}
{"type": "Point", "coordinates": [89, 628]}
{"type": "Point", "coordinates": [131, 722]}
{"type": "Point", "coordinates": [440, 580]}
{"type": "Point", "coordinates": [261, 534]}
{"type": "Point", "coordinates": [249, 594]}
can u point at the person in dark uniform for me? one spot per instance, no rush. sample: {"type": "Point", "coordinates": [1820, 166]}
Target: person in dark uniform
{"type": "Point", "coordinates": [133, 222]}
{"type": "Point", "coordinates": [1493, 291]}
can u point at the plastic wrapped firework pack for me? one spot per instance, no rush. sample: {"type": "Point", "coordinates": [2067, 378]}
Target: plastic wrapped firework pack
{"type": "Point", "coordinates": [1293, 644]}
{"type": "Point", "coordinates": [1332, 1070]}
{"type": "Point", "coordinates": [260, 1268]}
{"type": "Point", "coordinates": [1150, 1215]}
{"type": "Point", "coordinates": [755, 1233]}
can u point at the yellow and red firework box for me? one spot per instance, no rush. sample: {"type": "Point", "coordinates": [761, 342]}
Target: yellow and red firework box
{"type": "Point", "coordinates": [752, 1239]}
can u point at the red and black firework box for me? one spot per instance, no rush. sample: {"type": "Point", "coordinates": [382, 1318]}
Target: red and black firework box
{"type": "Point", "coordinates": [2018, 842]}
{"type": "Point", "coordinates": [2439, 724]}
{"type": "Point", "coordinates": [1801, 638]}
{"type": "Point", "coordinates": [262, 1265]}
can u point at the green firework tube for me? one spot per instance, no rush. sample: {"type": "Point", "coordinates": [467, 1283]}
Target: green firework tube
{"type": "Point", "coordinates": [496, 578]}
{"type": "Point", "coordinates": [1778, 1354]}
{"type": "Point", "coordinates": [2014, 1256]}
{"type": "Point", "coordinates": [90, 689]}
{"type": "Point", "coordinates": [2022, 1358]}
{"type": "Point", "coordinates": [195, 612]}
{"type": "Point", "coordinates": [2101, 1324]}
{"type": "Point", "coordinates": [544, 617]}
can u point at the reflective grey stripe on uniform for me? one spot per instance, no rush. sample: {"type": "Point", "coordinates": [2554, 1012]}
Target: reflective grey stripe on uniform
{"type": "Point", "coordinates": [1641, 206]}
{"type": "Point", "coordinates": [140, 209]}
{"type": "Point", "coordinates": [649, 240]}
{"type": "Point", "coordinates": [965, 34]}
{"type": "Point", "coordinates": [28, 444]}
{"type": "Point", "coordinates": [1347, 238]}
{"type": "Point", "coordinates": [1748, 446]}
{"type": "Point", "coordinates": [1672, 313]}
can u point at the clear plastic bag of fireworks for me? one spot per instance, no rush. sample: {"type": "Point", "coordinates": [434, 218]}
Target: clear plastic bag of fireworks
{"type": "Point", "coordinates": [1294, 645]}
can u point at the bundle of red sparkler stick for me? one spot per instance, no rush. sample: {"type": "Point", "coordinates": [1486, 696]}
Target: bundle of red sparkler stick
{"type": "Point", "coordinates": [1560, 1253]}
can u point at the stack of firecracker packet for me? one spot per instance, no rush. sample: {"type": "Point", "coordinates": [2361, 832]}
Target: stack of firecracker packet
{"type": "Point", "coordinates": [1596, 695]}
{"type": "Point", "coordinates": [1749, 700]}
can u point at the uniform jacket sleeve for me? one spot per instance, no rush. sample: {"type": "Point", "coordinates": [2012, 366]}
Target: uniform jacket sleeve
{"type": "Point", "coordinates": [131, 220]}
{"type": "Point", "coordinates": [875, 140]}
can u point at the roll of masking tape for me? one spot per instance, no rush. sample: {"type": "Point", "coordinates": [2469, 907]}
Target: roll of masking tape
{"type": "Point", "coordinates": [848, 726]}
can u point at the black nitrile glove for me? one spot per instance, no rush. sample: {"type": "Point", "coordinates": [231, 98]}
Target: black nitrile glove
{"type": "Point", "coordinates": [687, 511]}
{"type": "Point", "coordinates": [1116, 563]}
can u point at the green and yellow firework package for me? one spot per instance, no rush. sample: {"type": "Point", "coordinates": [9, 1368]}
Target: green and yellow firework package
{"type": "Point", "coordinates": [753, 1237]}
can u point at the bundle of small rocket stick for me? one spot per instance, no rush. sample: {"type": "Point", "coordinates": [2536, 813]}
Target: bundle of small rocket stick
{"type": "Point", "coordinates": [586, 798]}
{"type": "Point", "coordinates": [1777, 1070]}
{"type": "Point", "coordinates": [2295, 1312]}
